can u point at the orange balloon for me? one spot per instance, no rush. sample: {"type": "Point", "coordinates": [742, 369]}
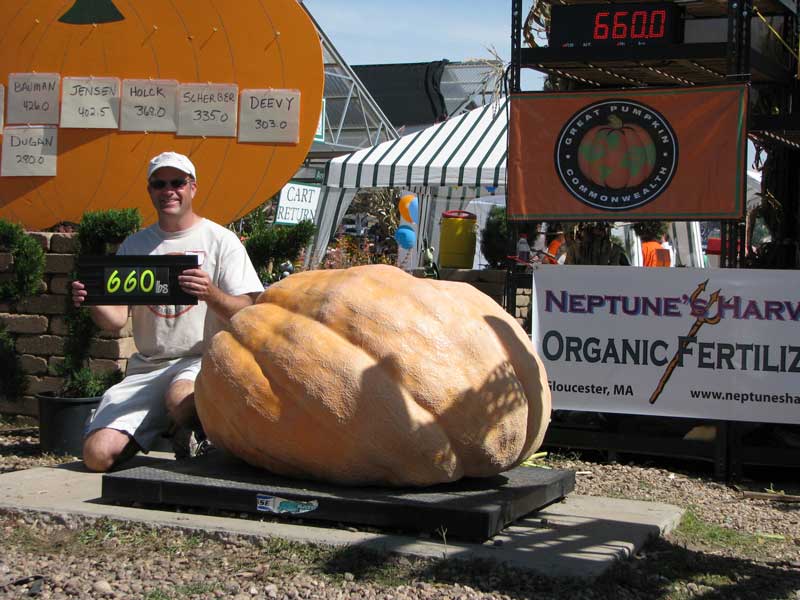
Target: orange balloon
{"type": "Point", "coordinates": [252, 43]}
{"type": "Point", "coordinates": [409, 207]}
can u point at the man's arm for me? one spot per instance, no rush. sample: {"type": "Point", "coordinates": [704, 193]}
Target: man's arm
{"type": "Point", "coordinates": [107, 317]}
{"type": "Point", "coordinates": [225, 305]}
{"type": "Point", "coordinates": [197, 283]}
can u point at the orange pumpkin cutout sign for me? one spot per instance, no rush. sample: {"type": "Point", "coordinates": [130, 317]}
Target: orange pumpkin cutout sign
{"type": "Point", "coordinates": [617, 155]}
{"type": "Point", "coordinates": [253, 44]}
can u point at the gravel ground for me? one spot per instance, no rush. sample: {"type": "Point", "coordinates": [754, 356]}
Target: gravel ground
{"type": "Point", "coordinates": [734, 547]}
{"type": "Point", "coordinates": [711, 501]}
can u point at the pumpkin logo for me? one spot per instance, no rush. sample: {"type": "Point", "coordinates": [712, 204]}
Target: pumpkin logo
{"type": "Point", "coordinates": [616, 155]}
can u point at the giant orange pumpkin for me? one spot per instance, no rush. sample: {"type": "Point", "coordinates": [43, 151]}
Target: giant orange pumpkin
{"type": "Point", "coordinates": [252, 43]}
{"type": "Point", "coordinates": [371, 376]}
{"type": "Point", "coordinates": [617, 155]}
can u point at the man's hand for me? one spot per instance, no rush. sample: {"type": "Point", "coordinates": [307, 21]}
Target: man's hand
{"type": "Point", "coordinates": [79, 293]}
{"type": "Point", "coordinates": [109, 318]}
{"type": "Point", "coordinates": [196, 282]}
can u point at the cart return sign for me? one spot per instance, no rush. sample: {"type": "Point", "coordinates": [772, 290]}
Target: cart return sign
{"type": "Point", "coordinates": [719, 344]}
{"type": "Point", "coordinates": [298, 202]}
{"type": "Point", "coordinates": [628, 154]}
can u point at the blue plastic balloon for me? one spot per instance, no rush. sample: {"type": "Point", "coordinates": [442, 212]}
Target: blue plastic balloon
{"type": "Point", "coordinates": [406, 237]}
{"type": "Point", "coordinates": [413, 210]}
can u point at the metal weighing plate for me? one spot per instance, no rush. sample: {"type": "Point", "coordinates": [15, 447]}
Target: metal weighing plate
{"type": "Point", "coordinates": [469, 509]}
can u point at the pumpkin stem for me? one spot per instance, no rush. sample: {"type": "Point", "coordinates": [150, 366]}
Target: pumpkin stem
{"type": "Point", "coordinates": [86, 12]}
{"type": "Point", "coordinates": [615, 122]}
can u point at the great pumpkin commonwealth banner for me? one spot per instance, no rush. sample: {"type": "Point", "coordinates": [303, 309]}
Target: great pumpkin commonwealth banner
{"type": "Point", "coordinates": [628, 154]}
{"type": "Point", "coordinates": [700, 343]}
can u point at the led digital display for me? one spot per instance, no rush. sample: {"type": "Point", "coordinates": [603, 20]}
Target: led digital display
{"type": "Point", "coordinates": [593, 25]}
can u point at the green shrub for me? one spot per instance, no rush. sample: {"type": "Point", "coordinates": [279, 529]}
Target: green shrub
{"type": "Point", "coordinates": [28, 266]}
{"type": "Point", "coordinates": [258, 219]}
{"type": "Point", "coordinates": [270, 245]}
{"type": "Point", "coordinates": [496, 242]}
{"type": "Point", "coordinates": [80, 330]}
{"type": "Point", "coordinates": [83, 383]}
{"type": "Point", "coordinates": [495, 237]}
{"type": "Point", "coordinates": [13, 383]}
{"type": "Point", "coordinates": [100, 230]}
{"type": "Point", "coordinates": [27, 271]}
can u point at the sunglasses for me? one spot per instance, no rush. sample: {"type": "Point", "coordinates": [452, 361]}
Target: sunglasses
{"type": "Point", "coordinates": [176, 184]}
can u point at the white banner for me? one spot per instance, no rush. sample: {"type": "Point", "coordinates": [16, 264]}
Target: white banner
{"type": "Point", "coordinates": [713, 344]}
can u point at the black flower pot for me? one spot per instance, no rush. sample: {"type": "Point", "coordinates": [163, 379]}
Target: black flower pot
{"type": "Point", "coordinates": [62, 421]}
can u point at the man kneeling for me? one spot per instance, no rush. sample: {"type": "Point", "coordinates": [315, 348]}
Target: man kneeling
{"type": "Point", "coordinates": [157, 394]}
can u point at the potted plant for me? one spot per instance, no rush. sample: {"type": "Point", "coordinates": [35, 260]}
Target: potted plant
{"type": "Point", "coordinates": [62, 414]}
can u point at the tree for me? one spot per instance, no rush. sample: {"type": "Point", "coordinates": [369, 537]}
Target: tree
{"type": "Point", "coordinates": [591, 244]}
{"type": "Point", "coordinates": [650, 231]}
{"type": "Point", "coordinates": [381, 203]}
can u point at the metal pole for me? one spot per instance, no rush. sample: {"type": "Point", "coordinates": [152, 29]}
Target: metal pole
{"type": "Point", "coordinates": [738, 65]}
{"type": "Point", "coordinates": [723, 244]}
{"type": "Point", "coordinates": [516, 46]}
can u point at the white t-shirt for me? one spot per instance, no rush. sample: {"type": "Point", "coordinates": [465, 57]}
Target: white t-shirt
{"type": "Point", "coordinates": [164, 332]}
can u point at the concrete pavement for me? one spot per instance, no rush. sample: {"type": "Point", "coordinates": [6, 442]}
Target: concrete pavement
{"type": "Point", "coordinates": [581, 536]}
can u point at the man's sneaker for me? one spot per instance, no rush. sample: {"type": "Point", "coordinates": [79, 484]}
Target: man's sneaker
{"type": "Point", "coordinates": [188, 443]}
{"type": "Point", "coordinates": [204, 447]}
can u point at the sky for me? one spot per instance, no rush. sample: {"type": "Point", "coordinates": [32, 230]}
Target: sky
{"type": "Point", "coordinates": [388, 31]}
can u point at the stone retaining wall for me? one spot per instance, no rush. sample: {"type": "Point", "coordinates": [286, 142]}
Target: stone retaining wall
{"type": "Point", "coordinates": [39, 326]}
{"type": "Point", "coordinates": [523, 307]}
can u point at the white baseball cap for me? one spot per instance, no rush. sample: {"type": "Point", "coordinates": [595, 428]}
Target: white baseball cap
{"type": "Point", "coordinates": [171, 159]}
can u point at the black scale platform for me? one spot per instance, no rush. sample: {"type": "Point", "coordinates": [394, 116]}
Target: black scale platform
{"type": "Point", "coordinates": [469, 509]}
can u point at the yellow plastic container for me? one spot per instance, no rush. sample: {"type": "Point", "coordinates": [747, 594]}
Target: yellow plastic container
{"type": "Point", "coordinates": [457, 236]}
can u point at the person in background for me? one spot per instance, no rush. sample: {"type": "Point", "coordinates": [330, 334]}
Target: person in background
{"type": "Point", "coordinates": [554, 246]}
{"type": "Point", "coordinates": [538, 243]}
{"type": "Point", "coordinates": [157, 394]}
{"type": "Point", "coordinates": [652, 235]}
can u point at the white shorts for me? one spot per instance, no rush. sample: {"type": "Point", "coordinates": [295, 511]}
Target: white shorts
{"type": "Point", "coordinates": [136, 404]}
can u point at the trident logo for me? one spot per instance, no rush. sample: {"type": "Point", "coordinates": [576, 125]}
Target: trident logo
{"type": "Point", "coordinates": [702, 320]}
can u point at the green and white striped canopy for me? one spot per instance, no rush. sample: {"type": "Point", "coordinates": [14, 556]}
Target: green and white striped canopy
{"type": "Point", "coordinates": [467, 150]}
